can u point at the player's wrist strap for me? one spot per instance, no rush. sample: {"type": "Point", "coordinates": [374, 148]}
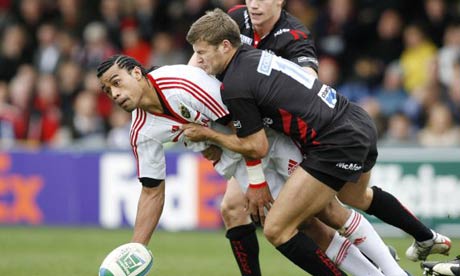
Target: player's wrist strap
{"type": "Point", "coordinates": [256, 176]}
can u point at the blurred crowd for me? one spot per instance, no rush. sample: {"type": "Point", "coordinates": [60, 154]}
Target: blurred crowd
{"type": "Point", "coordinates": [398, 59]}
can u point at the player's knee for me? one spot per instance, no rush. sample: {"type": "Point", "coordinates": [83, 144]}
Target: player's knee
{"type": "Point", "coordinates": [275, 234]}
{"type": "Point", "coordinates": [231, 208]}
{"type": "Point", "coordinates": [361, 201]}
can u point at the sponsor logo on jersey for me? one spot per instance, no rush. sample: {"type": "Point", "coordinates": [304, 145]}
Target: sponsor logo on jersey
{"type": "Point", "coordinates": [246, 39]}
{"type": "Point", "coordinates": [328, 95]}
{"type": "Point", "coordinates": [267, 121]}
{"type": "Point", "coordinates": [184, 112]}
{"type": "Point", "coordinates": [349, 166]}
{"type": "Point", "coordinates": [246, 20]}
{"type": "Point", "coordinates": [292, 165]}
{"type": "Point", "coordinates": [281, 31]}
{"type": "Point", "coordinates": [265, 62]}
{"type": "Point", "coordinates": [307, 59]}
{"type": "Point", "coordinates": [237, 124]}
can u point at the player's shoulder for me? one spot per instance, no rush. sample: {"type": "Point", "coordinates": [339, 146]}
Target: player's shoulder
{"type": "Point", "coordinates": [237, 11]}
{"type": "Point", "coordinates": [289, 28]}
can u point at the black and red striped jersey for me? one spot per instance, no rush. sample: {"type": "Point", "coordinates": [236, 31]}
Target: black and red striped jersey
{"type": "Point", "coordinates": [289, 38]}
{"type": "Point", "coordinates": [261, 89]}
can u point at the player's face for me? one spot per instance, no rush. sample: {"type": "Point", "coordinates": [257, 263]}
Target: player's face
{"type": "Point", "coordinates": [263, 11]}
{"type": "Point", "coordinates": [210, 58]}
{"type": "Point", "coordinates": [123, 87]}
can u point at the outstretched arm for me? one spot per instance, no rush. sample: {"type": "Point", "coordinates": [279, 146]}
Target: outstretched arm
{"type": "Point", "coordinates": [149, 209]}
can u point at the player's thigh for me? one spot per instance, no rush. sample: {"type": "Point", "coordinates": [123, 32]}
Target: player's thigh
{"type": "Point", "coordinates": [357, 194]}
{"type": "Point", "coordinates": [301, 198]}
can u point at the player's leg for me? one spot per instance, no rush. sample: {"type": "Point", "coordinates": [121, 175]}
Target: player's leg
{"type": "Point", "coordinates": [241, 232]}
{"type": "Point", "coordinates": [360, 232]}
{"type": "Point", "coordinates": [301, 197]}
{"type": "Point", "coordinates": [341, 251]}
{"type": "Point", "coordinates": [386, 207]}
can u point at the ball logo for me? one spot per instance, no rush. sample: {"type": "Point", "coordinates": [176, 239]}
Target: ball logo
{"type": "Point", "coordinates": [184, 112]}
{"type": "Point", "coordinates": [129, 262]}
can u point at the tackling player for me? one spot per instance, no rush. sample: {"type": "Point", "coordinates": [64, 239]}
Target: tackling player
{"type": "Point", "coordinates": [160, 102]}
{"type": "Point", "coordinates": [337, 137]}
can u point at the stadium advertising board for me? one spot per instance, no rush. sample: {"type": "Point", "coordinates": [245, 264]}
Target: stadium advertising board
{"type": "Point", "coordinates": [62, 188]}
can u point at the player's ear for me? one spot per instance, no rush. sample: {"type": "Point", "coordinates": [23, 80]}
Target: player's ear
{"type": "Point", "coordinates": [226, 45]}
{"type": "Point", "coordinates": [137, 73]}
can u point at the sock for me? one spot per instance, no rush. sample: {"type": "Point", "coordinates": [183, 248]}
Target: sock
{"type": "Point", "coordinates": [245, 247]}
{"type": "Point", "coordinates": [303, 251]}
{"type": "Point", "coordinates": [387, 208]}
{"type": "Point", "coordinates": [348, 257]}
{"type": "Point", "coordinates": [360, 232]}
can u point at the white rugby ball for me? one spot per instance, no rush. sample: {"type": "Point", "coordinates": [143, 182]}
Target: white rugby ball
{"type": "Point", "coordinates": [130, 259]}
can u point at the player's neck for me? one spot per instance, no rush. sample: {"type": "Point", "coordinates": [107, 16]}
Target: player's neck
{"type": "Point", "coordinates": [150, 101]}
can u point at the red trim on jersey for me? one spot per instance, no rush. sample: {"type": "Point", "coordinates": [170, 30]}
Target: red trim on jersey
{"type": "Point", "coordinates": [139, 122]}
{"type": "Point", "coordinates": [313, 136]}
{"type": "Point", "coordinates": [176, 138]}
{"type": "Point", "coordinates": [197, 116]}
{"type": "Point", "coordinates": [297, 33]}
{"type": "Point", "coordinates": [303, 128]}
{"type": "Point", "coordinates": [253, 162]}
{"type": "Point", "coordinates": [287, 118]}
{"type": "Point", "coordinates": [234, 8]}
{"type": "Point", "coordinates": [195, 90]}
{"type": "Point", "coordinates": [256, 39]}
{"type": "Point", "coordinates": [176, 117]}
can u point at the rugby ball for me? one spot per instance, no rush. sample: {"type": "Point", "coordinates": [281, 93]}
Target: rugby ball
{"type": "Point", "coordinates": [130, 259]}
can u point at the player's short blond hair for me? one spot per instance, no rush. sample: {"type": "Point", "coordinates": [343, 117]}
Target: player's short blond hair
{"type": "Point", "coordinates": [214, 27]}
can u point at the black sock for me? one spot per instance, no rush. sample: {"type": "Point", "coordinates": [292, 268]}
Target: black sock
{"type": "Point", "coordinates": [387, 208]}
{"type": "Point", "coordinates": [303, 251]}
{"type": "Point", "coordinates": [245, 247]}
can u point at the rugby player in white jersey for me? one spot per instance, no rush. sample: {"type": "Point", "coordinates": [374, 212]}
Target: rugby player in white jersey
{"type": "Point", "coordinates": [162, 100]}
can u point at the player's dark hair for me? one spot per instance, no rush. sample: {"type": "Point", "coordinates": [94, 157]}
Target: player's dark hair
{"type": "Point", "coordinates": [123, 62]}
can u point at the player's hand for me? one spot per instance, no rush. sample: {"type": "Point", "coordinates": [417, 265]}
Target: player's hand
{"type": "Point", "coordinates": [259, 198]}
{"type": "Point", "coordinates": [195, 132]}
{"type": "Point", "coordinates": [212, 153]}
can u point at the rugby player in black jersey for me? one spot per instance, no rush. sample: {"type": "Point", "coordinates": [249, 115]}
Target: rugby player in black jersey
{"type": "Point", "coordinates": [338, 138]}
{"type": "Point", "coordinates": [266, 25]}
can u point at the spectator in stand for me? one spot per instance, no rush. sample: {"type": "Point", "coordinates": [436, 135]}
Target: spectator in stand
{"type": "Point", "coordinates": [302, 10]}
{"type": "Point", "coordinates": [449, 53]}
{"type": "Point", "coordinates": [21, 89]}
{"type": "Point", "coordinates": [46, 115]}
{"type": "Point", "coordinates": [120, 126]}
{"type": "Point", "coordinates": [151, 16]}
{"type": "Point", "coordinates": [12, 45]}
{"type": "Point", "coordinates": [440, 130]}
{"type": "Point", "coordinates": [97, 47]}
{"type": "Point", "coordinates": [131, 42]}
{"type": "Point", "coordinates": [87, 128]}
{"type": "Point", "coordinates": [435, 19]}
{"type": "Point", "coordinates": [391, 96]}
{"type": "Point", "coordinates": [47, 54]}
{"type": "Point", "coordinates": [7, 112]}
{"type": "Point", "coordinates": [70, 83]}
{"type": "Point", "coordinates": [418, 52]}
{"type": "Point", "coordinates": [111, 17]}
{"type": "Point", "coordinates": [165, 51]}
{"type": "Point", "coordinates": [452, 96]}
{"type": "Point", "coordinates": [329, 71]}
{"type": "Point", "coordinates": [387, 45]}
{"type": "Point", "coordinates": [400, 132]}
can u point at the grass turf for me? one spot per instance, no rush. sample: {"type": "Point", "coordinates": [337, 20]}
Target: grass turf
{"type": "Point", "coordinates": [29, 251]}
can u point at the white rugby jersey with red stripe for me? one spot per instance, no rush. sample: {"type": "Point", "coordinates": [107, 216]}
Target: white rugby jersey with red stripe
{"type": "Point", "coordinates": [189, 95]}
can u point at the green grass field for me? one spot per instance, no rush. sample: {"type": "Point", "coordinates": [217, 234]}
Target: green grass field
{"type": "Point", "coordinates": [79, 251]}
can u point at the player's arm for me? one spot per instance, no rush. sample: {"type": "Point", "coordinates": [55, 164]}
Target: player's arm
{"type": "Point", "coordinates": [149, 209]}
{"type": "Point", "coordinates": [253, 146]}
